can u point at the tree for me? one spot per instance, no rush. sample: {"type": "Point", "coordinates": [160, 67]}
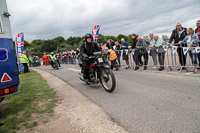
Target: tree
{"type": "Point", "coordinates": [165, 37]}
{"type": "Point", "coordinates": [110, 37]}
{"type": "Point", "coordinates": [120, 36]}
{"type": "Point", "coordinates": [101, 38]}
{"type": "Point", "coordinates": [60, 39]}
{"type": "Point", "coordinates": [129, 39]}
{"type": "Point", "coordinates": [146, 39]}
{"type": "Point", "coordinates": [73, 40]}
{"type": "Point", "coordinates": [59, 44]}
{"type": "Point", "coordinates": [35, 46]}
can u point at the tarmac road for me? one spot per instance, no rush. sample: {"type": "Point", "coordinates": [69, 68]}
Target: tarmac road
{"type": "Point", "coordinates": [144, 101]}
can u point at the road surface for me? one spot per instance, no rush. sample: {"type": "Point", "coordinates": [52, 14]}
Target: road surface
{"type": "Point", "coordinates": [144, 101]}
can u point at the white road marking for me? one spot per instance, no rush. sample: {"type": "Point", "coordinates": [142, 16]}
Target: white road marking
{"type": "Point", "coordinates": [74, 69]}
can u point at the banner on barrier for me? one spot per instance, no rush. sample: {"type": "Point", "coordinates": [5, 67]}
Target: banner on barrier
{"type": "Point", "coordinates": [174, 48]}
{"type": "Point", "coordinates": [157, 49]}
{"type": "Point", "coordinates": [165, 47]}
{"type": "Point", "coordinates": [185, 50]}
{"type": "Point", "coordinates": [126, 51]}
{"type": "Point", "coordinates": [197, 49]}
{"type": "Point", "coordinates": [133, 51]}
{"type": "Point", "coordinates": [148, 50]}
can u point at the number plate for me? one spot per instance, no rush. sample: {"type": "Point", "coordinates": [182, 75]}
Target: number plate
{"type": "Point", "coordinates": [100, 60]}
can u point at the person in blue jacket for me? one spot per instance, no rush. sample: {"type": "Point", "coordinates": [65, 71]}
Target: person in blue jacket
{"type": "Point", "coordinates": [124, 47]}
{"type": "Point", "coordinates": [192, 41]}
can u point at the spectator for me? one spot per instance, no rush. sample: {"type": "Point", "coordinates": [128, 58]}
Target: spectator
{"type": "Point", "coordinates": [77, 51]}
{"type": "Point", "coordinates": [124, 47]}
{"type": "Point", "coordinates": [141, 51]}
{"type": "Point", "coordinates": [192, 41]}
{"type": "Point", "coordinates": [108, 45]}
{"type": "Point", "coordinates": [118, 52]}
{"type": "Point", "coordinates": [197, 31]}
{"type": "Point", "coordinates": [134, 41]}
{"type": "Point", "coordinates": [24, 61]}
{"type": "Point", "coordinates": [133, 44]}
{"type": "Point", "coordinates": [30, 61]}
{"type": "Point", "coordinates": [70, 57]}
{"type": "Point", "coordinates": [61, 57]}
{"type": "Point", "coordinates": [73, 57]}
{"type": "Point", "coordinates": [153, 51]}
{"type": "Point", "coordinates": [112, 43]}
{"type": "Point", "coordinates": [103, 46]}
{"type": "Point", "coordinates": [64, 57]}
{"type": "Point", "coordinates": [37, 60]}
{"type": "Point", "coordinates": [112, 57]}
{"type": "Point", "coordinates": [177, 35]}
{"type": "Point", "coordinates": [67, 57]}
{"type": "Point", "coordinates": [158, 44]}
{"type": "Point", "coordinates": [34, 61]}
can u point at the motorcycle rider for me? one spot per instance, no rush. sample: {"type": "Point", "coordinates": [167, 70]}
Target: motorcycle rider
{"type": "Point", "coordinates": [52, 57]}
{"type": "Point", "coordinates": [86, 50]}
{"type": "Point", "coordinates": [58, 59]}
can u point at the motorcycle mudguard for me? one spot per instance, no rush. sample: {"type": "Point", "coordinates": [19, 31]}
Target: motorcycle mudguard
{"type": "Point", "coordinates": [107, 66]}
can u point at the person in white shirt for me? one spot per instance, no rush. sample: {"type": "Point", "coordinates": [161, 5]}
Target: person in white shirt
{"type": "Point", "coordinates": [153, 51]}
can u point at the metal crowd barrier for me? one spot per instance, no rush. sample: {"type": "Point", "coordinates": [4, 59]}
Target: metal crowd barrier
{"type": "Point", "coordinates": [69, 60]}
{"type": "Point", "coordinates": [171, 61]}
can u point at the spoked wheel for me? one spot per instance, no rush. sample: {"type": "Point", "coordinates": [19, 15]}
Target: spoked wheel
{"type": "Point", "coordinates": [108, 80]}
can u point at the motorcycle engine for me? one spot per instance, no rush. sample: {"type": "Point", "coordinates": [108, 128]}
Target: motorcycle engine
{"type": "Point", "coordinates": [92, 74]}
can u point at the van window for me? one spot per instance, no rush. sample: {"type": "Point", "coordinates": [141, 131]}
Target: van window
{"type": "Point", "coordinates": [0, 28]}
{"type": "Point", "coordinates": [1, 25]}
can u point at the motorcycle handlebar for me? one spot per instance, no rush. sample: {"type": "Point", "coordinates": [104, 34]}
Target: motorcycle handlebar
{"type": "Point", "coordinates": [91, 57]}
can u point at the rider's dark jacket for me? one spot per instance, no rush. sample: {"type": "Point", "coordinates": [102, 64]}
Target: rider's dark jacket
{"type": "Point", "coordinates": [88, 49]}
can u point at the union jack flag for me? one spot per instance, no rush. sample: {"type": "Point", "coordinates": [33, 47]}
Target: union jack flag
{"type": "Point", "coordinates": [20, 39]}
{"type": "Point", "coordinates": [95, 33]}
{"type": "Point", "coordinates": [19, 44]}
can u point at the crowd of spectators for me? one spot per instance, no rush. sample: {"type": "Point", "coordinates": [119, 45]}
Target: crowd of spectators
{"type": "Point", "coordinates": [180, 37]}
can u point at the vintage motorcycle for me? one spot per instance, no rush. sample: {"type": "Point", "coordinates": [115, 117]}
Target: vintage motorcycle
{"type": "Point", "coordinates": [55, 64]}
{"type": "Point", "coordinates": [99, 72]}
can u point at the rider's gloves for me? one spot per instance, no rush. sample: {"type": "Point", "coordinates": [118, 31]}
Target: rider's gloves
{"type": "Point", "coordinates": [85, 56]}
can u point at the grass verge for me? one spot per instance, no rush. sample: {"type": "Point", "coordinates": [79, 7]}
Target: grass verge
{"type": "Point", "coordinates": [34, 104]}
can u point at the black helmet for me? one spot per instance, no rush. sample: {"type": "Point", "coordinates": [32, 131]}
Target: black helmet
{"type": "Point", "coordinates": [88, 35]}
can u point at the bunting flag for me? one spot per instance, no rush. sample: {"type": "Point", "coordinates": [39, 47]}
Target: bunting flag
{"type": "Point", "coordinates": [157, 49]}
{"type": "Point", "coordinates": [126, 51]}
{"type": "Point", "coordinates": [95, 33]}
{"type": "Point", "coordinates": [174, 48]}
{"type": "Point", "coordinates": [197, 49]}
{"type": "Point", "coordinates": [165, 47]}
{"type": "Point", "coordinates": [148, 50]}
{"type": "Point", "coordinates": [185, 50]}
{"type": "Point", "coordinates": [19, 44]}
{"type": "Point", "coordinates": [133, 51]}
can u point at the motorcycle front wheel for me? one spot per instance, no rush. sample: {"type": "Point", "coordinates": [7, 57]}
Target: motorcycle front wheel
{"type": "Point", "coordinates": [108, 80]}
{"type": "Point", "coordinates": [56, 66]}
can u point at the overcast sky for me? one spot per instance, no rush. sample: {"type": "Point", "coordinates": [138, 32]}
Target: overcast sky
{"type": "Point", "coordinates": [46, 19]}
